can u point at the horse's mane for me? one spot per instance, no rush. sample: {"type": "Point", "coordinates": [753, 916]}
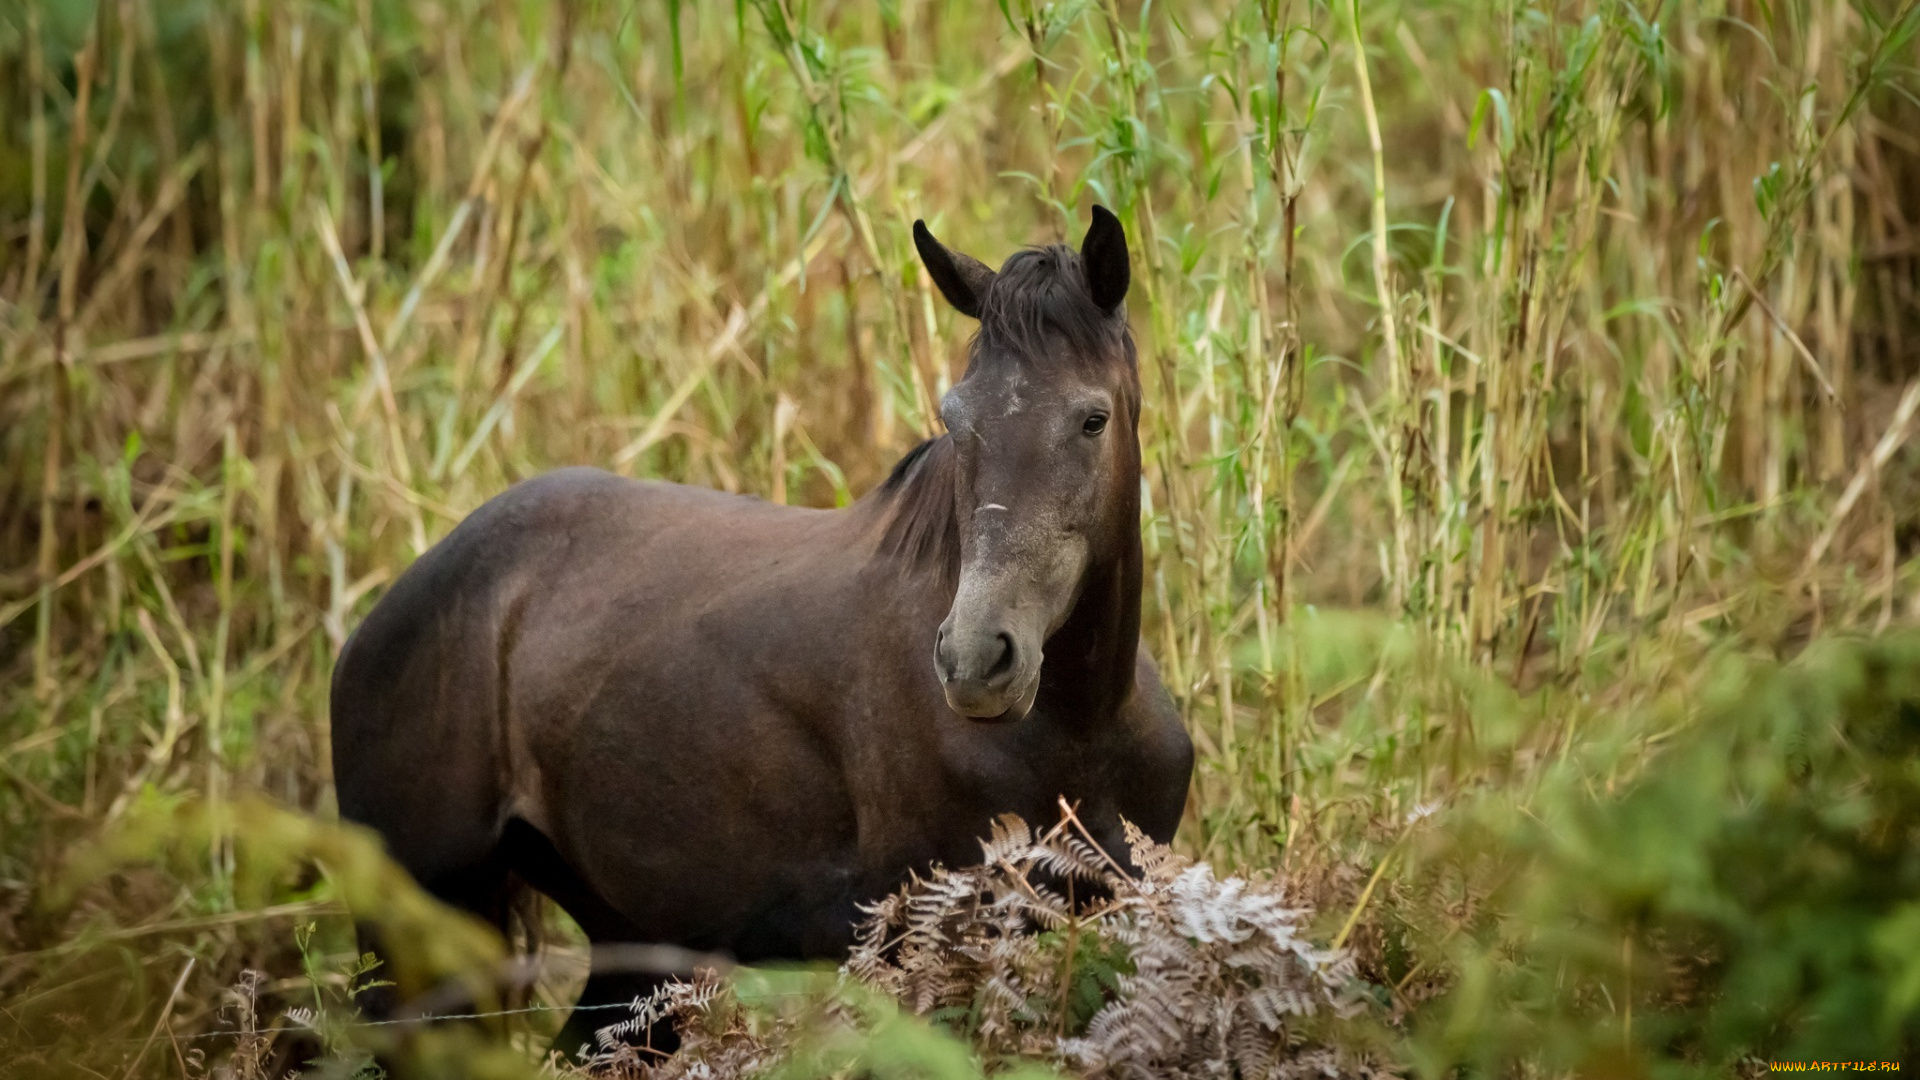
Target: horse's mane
{"type": "Point", "coordinates": [921, 527]}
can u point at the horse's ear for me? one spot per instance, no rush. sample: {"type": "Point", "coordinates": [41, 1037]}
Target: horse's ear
{"type": "Point", "coordinates": [1104, 252]}
{"type": "Point", "coordinates": [963, 279]}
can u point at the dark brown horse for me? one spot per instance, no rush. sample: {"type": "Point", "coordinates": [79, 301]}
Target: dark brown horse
{"type": "Point", "coordinates": [705, 720]}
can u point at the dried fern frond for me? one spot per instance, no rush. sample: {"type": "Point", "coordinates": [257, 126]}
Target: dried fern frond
{"type": "Point", "coordinates": [1167, 972]}
{"type": "Point", "coordinates": [1203, 974]}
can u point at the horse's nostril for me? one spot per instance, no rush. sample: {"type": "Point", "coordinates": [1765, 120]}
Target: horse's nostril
{"type": "Point", "coordinates": [943, 661]}
{"type": "Point", "coordinates": [1003, 664]}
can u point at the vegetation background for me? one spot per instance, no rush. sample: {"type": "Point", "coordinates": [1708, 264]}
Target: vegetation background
{"type": "Point", "coordinates": [1530, 517]}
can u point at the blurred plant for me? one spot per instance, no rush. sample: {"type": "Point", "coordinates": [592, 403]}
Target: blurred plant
{"type": "Point", "coordinates": [1750, 894]}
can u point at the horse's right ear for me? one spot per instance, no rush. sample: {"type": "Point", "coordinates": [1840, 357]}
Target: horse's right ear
{"type": "Point", "coordinates": [1104, 252]}
{"type": "Point", "coordinates": [963, 279]}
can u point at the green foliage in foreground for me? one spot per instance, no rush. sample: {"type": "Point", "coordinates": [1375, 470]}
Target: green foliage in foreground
{"type": "Point", "coordinates": [1749, 891]}
{"type": "Point", "coordinates": [1754, 893]}
{"type": "Point", "coordinates": [886, 1041]}
{"type": "Point", "coordinates": [264, 853]}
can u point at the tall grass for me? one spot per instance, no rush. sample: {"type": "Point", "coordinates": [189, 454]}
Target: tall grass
{"type": "Point", "coordinates": [1573, 340]}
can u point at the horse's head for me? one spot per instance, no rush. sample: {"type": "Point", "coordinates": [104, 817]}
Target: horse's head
{"type": "Point", "coordinates": [1046, 454]}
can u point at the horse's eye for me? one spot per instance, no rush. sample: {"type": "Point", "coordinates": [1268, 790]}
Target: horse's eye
{"type": "Point", "coordinates": [1095, 424]}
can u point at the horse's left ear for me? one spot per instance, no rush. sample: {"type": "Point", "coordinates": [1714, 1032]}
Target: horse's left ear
{"type": "Point", "coordinates": [1104, 252]}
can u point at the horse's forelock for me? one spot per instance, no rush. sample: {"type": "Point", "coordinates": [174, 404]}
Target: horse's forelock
{"type": "Point", "coordinates": [1040, 297]}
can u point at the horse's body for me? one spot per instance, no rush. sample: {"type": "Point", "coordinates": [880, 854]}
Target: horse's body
{"type": "Point", "coordinates": [704, 720]}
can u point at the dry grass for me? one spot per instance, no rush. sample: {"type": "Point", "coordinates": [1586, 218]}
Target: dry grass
{"type": "Point", "coordinates": [1573, 341]}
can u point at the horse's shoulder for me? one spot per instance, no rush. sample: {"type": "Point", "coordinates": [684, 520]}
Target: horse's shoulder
{"type": "Point", "coordinates": [1150, 698]}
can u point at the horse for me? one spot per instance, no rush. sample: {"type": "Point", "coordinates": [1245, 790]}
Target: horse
{"type": "Point", "coordinates": [703, 720]}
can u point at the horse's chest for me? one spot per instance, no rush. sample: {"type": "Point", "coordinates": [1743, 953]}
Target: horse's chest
{"type": "Point", "coordinates": [1030, 773]}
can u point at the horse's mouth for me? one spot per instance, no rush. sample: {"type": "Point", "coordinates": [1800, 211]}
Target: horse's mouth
{"type": "Point", "coordinates": [1015, 711]}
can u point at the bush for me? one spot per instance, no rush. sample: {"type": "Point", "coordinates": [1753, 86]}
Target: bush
{"type": "Point", "coordinates": [1752, 895]}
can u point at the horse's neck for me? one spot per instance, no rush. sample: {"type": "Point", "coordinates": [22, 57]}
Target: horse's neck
{"type": "Point", "coordinates": [1090, 661]}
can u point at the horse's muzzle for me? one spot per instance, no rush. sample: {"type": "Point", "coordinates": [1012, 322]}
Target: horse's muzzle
{"type": "Point", "coordinates": [985, 677]}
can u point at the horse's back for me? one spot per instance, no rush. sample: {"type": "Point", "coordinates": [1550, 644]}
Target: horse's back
{"type": "Point", "coordinates": [537, 535]}
{"type": "Point", "coordinates": [423, 690]}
